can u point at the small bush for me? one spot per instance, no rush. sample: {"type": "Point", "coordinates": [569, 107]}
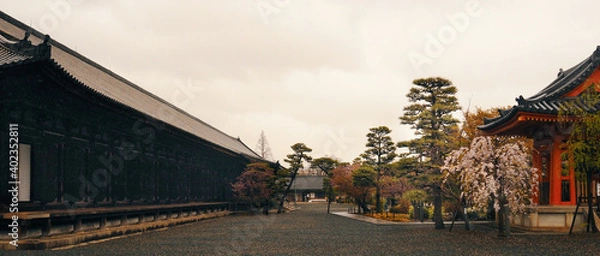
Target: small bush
{"type": "Point", "coordinates": [403, 206]}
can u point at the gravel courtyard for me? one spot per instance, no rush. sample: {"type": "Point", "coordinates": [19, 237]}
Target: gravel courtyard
{"type": "Point", "coordinates": [310, 231]}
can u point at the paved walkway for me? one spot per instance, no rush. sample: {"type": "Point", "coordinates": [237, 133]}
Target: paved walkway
{"type": "Point", "coordinates": [309, 230]}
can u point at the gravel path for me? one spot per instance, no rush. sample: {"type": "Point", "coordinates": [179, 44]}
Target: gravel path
{"type": "Point", "coordinates": [310, 231]}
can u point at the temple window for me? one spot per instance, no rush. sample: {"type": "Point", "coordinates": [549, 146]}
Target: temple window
{"type": "Point", "coordinates": [565, 191]}
{"type": "Point", "coordinates": [544, 166]}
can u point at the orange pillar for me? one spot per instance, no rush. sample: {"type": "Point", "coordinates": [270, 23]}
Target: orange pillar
{"type": "Point", "coordinates": [555, 175]}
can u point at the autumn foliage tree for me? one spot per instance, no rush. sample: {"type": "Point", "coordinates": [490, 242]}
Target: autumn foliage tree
{"type": "Point", "coordinates": [469, 130]}
{"type": "Point", "coordinates": [343, 182]}
{"type": "Point", "coordinates": [491, 170]}
{"type": "Point", "coordinates": [255, 184]}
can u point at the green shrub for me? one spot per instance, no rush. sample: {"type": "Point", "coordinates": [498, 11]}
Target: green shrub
{"type": "Point", "coordinates": [427, 212]}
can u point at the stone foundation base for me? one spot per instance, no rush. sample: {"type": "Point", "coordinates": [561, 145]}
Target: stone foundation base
{"type": "Point", "coordinates": [549, 219]}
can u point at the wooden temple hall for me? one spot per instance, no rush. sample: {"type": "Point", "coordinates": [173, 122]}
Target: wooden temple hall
{"type": "Point", "coordinates": [537, 117]}
{"type": "Point", "coordinates": [90, 139]}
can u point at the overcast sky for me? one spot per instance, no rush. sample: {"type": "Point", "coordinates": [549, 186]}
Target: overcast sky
{"type": "Point", "coordinates": [320, 72]}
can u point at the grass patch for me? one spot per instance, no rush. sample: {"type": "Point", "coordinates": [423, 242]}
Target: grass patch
{"type": "Point", "coordinates": [398, 217]}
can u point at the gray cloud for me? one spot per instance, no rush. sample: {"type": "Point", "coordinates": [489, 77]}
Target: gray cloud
{"type": "Point", "coordinates": [322, 72]}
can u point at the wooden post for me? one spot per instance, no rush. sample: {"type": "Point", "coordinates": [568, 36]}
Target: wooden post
{"type": "Point", "coordinates": [78, 224]}
{"type": "Point", "coordinates": [103, 221]}
{"type": "Point", "coordinates": [47, 227]}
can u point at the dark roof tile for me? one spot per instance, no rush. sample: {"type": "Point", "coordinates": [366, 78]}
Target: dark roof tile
{"type": "Point", "coordinates": [548, 101]}
{"type": "Point", "coordinates": [115, 87]}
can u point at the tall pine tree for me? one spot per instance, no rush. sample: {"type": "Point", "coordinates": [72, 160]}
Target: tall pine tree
{"type": "Point", "coordinates": [430, 115]}
{"type": "Point", "coordinates": [380, 152]}
{"type": "Point", "coordinates": [296, 163]}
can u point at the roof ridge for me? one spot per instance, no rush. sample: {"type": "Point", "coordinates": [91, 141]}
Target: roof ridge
{"type": "Point", "coordinates": [51, 42]}
{"type": "Point", "coordinates": [566, 79]}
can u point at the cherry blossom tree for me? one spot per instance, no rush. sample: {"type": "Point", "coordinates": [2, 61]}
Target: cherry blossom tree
{"type": "Point", "coordinates": [491, 170]}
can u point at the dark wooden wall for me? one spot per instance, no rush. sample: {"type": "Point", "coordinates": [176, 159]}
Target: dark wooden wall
{"type": "Point", "coordinates": [88, 150]}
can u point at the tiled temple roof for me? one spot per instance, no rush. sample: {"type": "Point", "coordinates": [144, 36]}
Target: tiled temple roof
{"type": "Point", "coordinates": [103, 81]}
{"type": "Point", "coordinates": [550, 100]}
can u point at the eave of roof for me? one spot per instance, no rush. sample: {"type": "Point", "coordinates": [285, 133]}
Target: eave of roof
{"type": "Point", "coordinates": [109, 84]}
{"type": "Point", "coordinates": [308, 182]}
{"type": "Point", "coordinates": [551, 99]}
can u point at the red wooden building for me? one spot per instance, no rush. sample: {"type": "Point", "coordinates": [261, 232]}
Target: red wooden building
{"type": "Point", "coordinates": [537, 117]}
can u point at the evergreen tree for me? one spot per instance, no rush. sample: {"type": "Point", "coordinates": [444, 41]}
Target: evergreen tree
{"type": "Point", "coordinates": [430, 115]}
{"type": "Point", "coordinates": [363, 179]}
{"type": "Point", "coordinates": [380, 152]}
{"type": "Point", "coordinates": [582, 116]}
{"type": "Point", "coordinates": [296, 163]}
{"type": "Point", "coordinates": [326, 165]}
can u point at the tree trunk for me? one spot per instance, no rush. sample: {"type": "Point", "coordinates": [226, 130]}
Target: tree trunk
{"type": "Point", "coordinates": [437, 207]}
{"type": "Point", "coordinates": [378, 190]}
{"type": "Point", "coordinates": [465, 207]}
{"type": "Point", "coordinates": [377, 200]}
{"type": "Point", "coordinates": [328, 204]}
{"type": "Point", "coordinates": [284, 196]}
{"type": "Point", "coordinates": [266, 207]}
{"type": "Point", "coordinates": [590, 190]}
{"type": "Point", "coordinates": [503, 219]}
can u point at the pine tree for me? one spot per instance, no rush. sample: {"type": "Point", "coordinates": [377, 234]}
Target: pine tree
{"type": "Point", "coordinates": [296, 163]}
{"type": "Point", "coordinates": [380, 152]}
{"type": "Point", "coordinates": [430, 115]}
{"type": "Point", "coordinates": [326, 165]}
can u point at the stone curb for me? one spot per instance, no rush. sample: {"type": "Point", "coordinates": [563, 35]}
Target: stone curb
{"type": "Point", "coordinates": [50, 242]}
{"type": "Point", "coordinates": [387, 222]}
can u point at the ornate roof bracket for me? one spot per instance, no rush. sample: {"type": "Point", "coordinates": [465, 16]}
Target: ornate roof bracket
{"type": "Point", "coordinates": [26, 48]}
{"type": "Point", "coordinates": [596, 55]}
{"type": "Point", "coordinates": [520, 100]}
